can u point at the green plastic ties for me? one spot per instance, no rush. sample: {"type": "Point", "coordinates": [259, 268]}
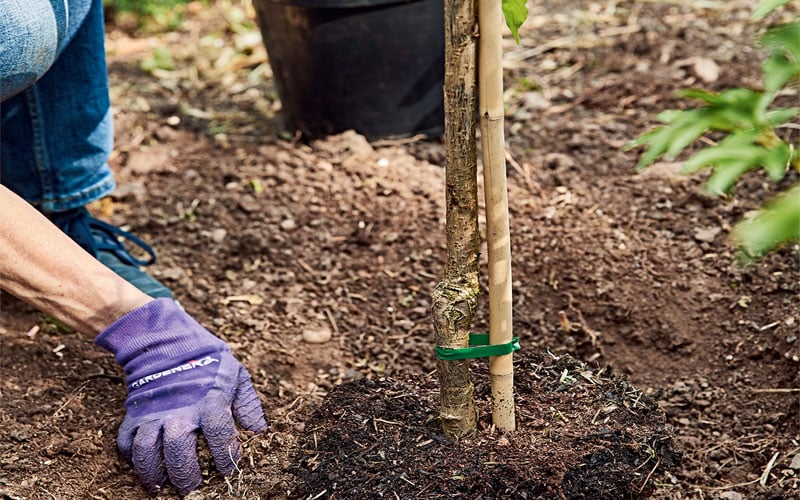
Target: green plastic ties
{"type": "Point", "coordinates": [481, 348]}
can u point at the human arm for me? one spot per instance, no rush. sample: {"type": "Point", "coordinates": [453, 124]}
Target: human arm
{"type": "Point", "coordinates": [182, 380]}
{"type": "Point", "coordinates": [43, 267]}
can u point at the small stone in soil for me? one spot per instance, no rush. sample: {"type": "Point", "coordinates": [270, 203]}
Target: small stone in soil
{"type": "Point", "coordinates": [317, 335]}
{"type": "Point", "coordinates": [172, 274]}
{"type": "Point", "coordinates": [706, 234]}
{"type": "Point", "coordinates": [218, 235]}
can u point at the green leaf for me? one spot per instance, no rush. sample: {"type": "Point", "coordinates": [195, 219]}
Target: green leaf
{"type": "Point", "coordinates": [741, 108]}
{"type": "Point", "coordinates": [700, 95]}
{"type": "Point", "coordinates": [778, 222]}
{"type": "Point", "coordinates": [684, 135]}
{"type": "Point", "coordinates": [731, 97]}
{"type": "Point", "coordinates": [767, 6]}
{"type": "Point", "coordinates": [780, 116]}
{"type": "Point", "coordinates": [741, 138]}
{"type": "Point", "coordinates": [670, 115]}
{"type": "Point", "coordinates": [761, 103]}
{"type": "Point", "coordinates": [742, 113]}
{"type": "Point", "coordinates": [725, 175]}
{"type": "Point", "coordinates": [721, 153]}
{"type": "Point", "coordinates": [515, 12]}
{"type": "Point", "coordinates": [776, 161]}
{"type": "Point", "coordinates": [669, 140]}
{"type": "Point", "coordinates": [657, 141]}
{"type": "Point", "coordinates": [783, 64]}
{"type": "Point", "coordinates": [783, 37]}
{"type": "Point", "coordinates": [732, 109]}
{"type": "Point", "coordinates": [735, 155]}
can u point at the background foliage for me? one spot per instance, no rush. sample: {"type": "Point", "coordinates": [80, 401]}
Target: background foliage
{"type": "Point", "coordinates": [748, 130]}
{"type": "Point", "coordinates": [153, 15]}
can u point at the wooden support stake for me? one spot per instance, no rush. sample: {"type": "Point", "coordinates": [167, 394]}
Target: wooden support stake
{"type": "Point", "coordinates": [490, 95]}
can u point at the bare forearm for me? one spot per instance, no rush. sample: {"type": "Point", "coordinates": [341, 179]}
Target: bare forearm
{"type": "Point", "coordinates": [43, 267]}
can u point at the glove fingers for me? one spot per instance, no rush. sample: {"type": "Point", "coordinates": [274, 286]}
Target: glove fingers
{"type": "Point", "coordinates": [246, 405]}
{"type": "Point", "coordinates": [180, 455]}
{"type": "Point", "coordinates": [221, 436]}
{"type": "Point", "coordinates": [146, 456]}
{"type": "Point", "coordinates": [125, 439]}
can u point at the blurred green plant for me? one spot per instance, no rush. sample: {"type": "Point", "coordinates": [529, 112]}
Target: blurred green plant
{"type": "Point", "coordinates": [515, 13]}
{"type": "Point", "coordinates": [753, 129]}
{"type": "Point", "coordinates": [154, 15]}
{"type": "Point", "coordinates": [159, 59]}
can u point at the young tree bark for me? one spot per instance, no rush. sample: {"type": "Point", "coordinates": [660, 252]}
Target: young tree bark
{"type": "Point", "coordinates": [490, 92]}
{"type": "Point", "coordinates": [455, 297]}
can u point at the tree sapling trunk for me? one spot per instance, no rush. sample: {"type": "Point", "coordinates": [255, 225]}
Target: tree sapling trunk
{"type": "Point", "coordinates": [455, 297]}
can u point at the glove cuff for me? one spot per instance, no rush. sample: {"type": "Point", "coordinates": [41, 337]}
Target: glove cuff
{"type": "Point", "coordinates": [157, 332]}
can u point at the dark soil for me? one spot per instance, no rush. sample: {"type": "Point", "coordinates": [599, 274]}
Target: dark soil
{"type": "Point", "coordinates": [690, 382]}
{"type": "Point", "coordinates": [581, 435]}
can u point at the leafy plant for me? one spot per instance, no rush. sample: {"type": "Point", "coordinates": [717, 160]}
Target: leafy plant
{"type": "Point", "coordinates": [155, 14]}
{"type": "Point", "coordinates": [750, 122]}
{"type": "Point", "coordinates": [515, 13]}
{"type": "Point", "coordinates": [160, 58]}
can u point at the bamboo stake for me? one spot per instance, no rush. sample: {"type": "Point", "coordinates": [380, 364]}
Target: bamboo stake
{"type": "Point", "coordinates": [490, 91]}
{"type": "Point", "coordinates": [455, 297]}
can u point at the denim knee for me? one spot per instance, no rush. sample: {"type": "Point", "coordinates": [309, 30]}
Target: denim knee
{"type": "Point", "coordinates": [30, 34]}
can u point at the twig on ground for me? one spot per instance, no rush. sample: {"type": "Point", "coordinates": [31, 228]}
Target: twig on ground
{"type": "Point", "coordinates": [533, 186]}
{"type": "Point", "coordinates": [594, 335]}
{"type": "Point", "coordinates": [647, 479]}
{"type": "Point", "coordinates": [335, 327]}
{"type": "Point", "coordinates": [318, 495]}
{"type": "Point", "coordinates": [54, 497]}
{"type": "Point", "coordinates": [73, 395]}
{"type": "Point", "coordinates": [765, 476]}
{"type": "Point", "coordinates": [399, 142]}
{"type": "Point", "coordinates": [572, 41]}
{"type": "Point", "coordinates": [725, 487]}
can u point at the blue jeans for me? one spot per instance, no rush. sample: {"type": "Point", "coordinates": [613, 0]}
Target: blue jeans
{"type": "Point", "coordinates": [56, 130]}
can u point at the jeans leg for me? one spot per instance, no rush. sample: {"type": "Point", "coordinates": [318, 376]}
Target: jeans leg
{"type": "Point", "coordinates": [55, 136]}
{"type": "Point", "coordinates": [30, 35]}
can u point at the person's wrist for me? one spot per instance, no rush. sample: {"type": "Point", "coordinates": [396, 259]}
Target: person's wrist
{"type": "Point", "coordinates": [107, 314]}
{"type": "Point", "coordinates": [157, 332]}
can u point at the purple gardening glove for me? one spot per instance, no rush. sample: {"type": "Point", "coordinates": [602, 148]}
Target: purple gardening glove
{"type": "Point", "coordinates": [182, 380]}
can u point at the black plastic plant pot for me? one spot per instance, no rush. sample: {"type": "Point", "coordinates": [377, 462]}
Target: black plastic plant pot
{"type": "Point", "coordinates": [375, 66]}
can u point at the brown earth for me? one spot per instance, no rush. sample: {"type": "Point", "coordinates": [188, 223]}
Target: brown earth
{"type": "Point", "coordinates": [268, 239]}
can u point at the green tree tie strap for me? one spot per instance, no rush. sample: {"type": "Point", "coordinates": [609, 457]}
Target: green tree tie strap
{"type": "Point", "coordinates": [479, 348]}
